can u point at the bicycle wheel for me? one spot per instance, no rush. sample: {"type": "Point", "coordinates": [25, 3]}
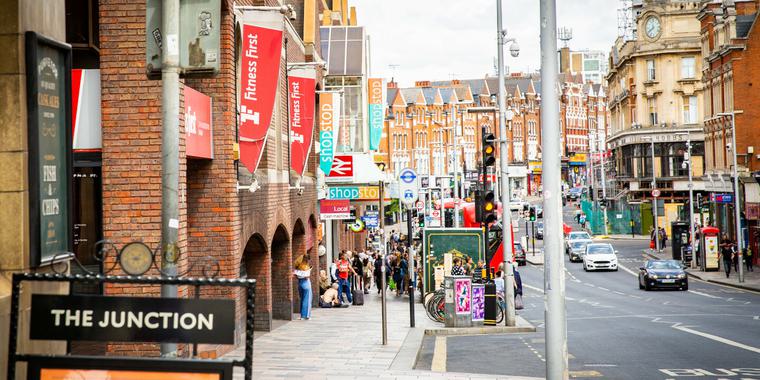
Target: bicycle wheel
{"type": "Point", "coordinates": [440, 311]}
{"type": "Point", "coordinates": [499, 314]}
{"type": "Point", "coordinates": [431, 305]}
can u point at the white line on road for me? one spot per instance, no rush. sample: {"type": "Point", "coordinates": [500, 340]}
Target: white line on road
{"type": "Point", "coordinates": [619, 293]}
{"type": "Point", "coordinates": [600, 365]}
{"type": "Point", "coordinates": [605, 289]}
{"type": "Point", "coordinates": [718, 339]}
{"type": "Point", "coordinates": [533, 288]}
{"type": "Point", "coordinates": [439, 355]}
{"type": "Point", "coordinates": [628, 270]}
{"type": "Point", "coordinates": [757, 317]}
{"type": "Point", "coordinates": [703, 294]}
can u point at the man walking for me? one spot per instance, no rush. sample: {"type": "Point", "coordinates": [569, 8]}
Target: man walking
{"type": "Point", "coordinates": [727, 253]}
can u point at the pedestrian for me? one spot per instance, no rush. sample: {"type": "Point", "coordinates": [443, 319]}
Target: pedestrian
{"type": "Point", "coordinates": [368, 272]}
{"type": "Point", "coordinates": [519, 305]}
{"type": "Point", "coordinates": [456, 268]}
{"type": "Point", "coordinates": [358, 266]}
{"type": "Point", "coordinates": [404, 273]}
{"type": "Point", "coordinates": [663, 236]}
{"type": "Point", "coordinates": [469, 267]}
{"type": "Point", "coordinates": [334, 269]}
{"type": "Point", "coordinates": [330, 298]}
{"type": "Point", "coordinates": [726, 253]}
{"type": "Point", "coordinates": [303, 272]}
{"type": "Point", "coordinates": [379, 273]}
{"type": "Point", "coordinates": [344, 270]}
{"type": "Point", "coordinates": [748, 259]}
{"type": "Point", "coordinates": [324, 282]}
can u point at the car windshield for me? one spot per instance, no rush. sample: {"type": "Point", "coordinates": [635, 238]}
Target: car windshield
{"type": "Point", "coordinates": [540, 225]}
{"type": "Point", "coordinates": [578, 244]}
{"type": "Point", "coordinates": [663, 265]}
{"type": "Point", "coordinates": [578, 235]}
{"type": "Point", "coordinates": [599, 250]}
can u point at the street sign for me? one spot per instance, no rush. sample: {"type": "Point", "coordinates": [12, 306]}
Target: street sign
{"type": "Point", "coordinates": [408, 187]}
{"type": "Point", "coordinates": [371, 219]}
{"type": "Point", "coordinates": [436, 214]}
{"type": "Point", "coordinates": [420, 206]}
{"type": "Point", "coordinates": [424, 182]}
{"type": "Point", "coordinates": [655, 193]}
{"type": "Point", "coordinates": [342, 166]}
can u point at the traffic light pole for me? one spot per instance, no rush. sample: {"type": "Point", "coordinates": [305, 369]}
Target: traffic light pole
{"type": "Point", "coordinates": [554, 264]}
{"type": "Point", "coordinates": [506, 213]}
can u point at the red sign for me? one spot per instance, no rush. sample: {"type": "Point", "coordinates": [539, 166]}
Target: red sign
{"type": "Point", "coordinates": [334, 209]}
{"type": "Point", "coordinates": [85, 106]}
{"type": "Point", "coordinates": [198, 131]}
{"type": "Point", "coordinates": [342, 166]}
{"type": "Point", "coordinates": [260, 72]}
{"type": "Point", "coordinates": [301, 120]}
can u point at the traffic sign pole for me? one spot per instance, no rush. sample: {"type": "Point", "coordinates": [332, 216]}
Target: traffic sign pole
{"type": "Point", "coordinates": [409, 193]}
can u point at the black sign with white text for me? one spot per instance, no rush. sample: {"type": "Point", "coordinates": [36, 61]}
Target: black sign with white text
{"type": "Point", "coordinates": [132, 319]}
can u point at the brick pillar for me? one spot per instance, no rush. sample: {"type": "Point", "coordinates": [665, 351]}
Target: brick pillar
{"type": "Point", "coordinates": [282, 272]}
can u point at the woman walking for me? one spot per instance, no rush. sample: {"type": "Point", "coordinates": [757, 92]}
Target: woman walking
{"type": "Point", "coordinates": [303, 272]}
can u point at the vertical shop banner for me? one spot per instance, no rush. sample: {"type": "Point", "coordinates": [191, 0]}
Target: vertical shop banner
{"type": "Point", "coordinates": [85, 110]}
{"type": "Point", "coordinates": [301, 87]}
{"type": "Point", "coordinates": [329, 111]}
{"type": "Point", "coordinates": [199, 137]}
{"type": "Point", "coordinates": [259, 74]}
{"type": "Point", "coordinates": [376, 100]}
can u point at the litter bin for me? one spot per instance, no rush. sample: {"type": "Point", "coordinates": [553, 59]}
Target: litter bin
{"type": "Point", "coordinates": [458, 301]}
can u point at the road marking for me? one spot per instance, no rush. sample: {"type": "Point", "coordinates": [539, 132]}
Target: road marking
{"type": "Point", "coordinates": [619, 293]}
{"type": "Point", "coordinates": [703, 294]}
{"type": "Point", "coordinates": [532, 288]}
{"type": "Point", "coordinates": [718, 339]}
{"type": "Point", "coordinates": [439, 355]}
{"type": "Point", "coordinates": [757, 317]}
{"type": "Point", "coordinates": [600, 365]}
{"type": "Point", "coordinates": [591, 285]}
{"type": "Point", "coordinates": [576, 374]}
{"type": "Point", "coordinates": [623, 267]}
{"type": "Point", "coordinates": [605, 289]}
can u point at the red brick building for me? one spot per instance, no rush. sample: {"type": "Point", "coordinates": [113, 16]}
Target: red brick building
{"type": "Point", "coordinates": [731, 55]}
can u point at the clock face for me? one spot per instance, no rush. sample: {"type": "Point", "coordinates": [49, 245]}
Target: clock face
{"type": "Point", "coordinates": [135, 258]}
{"type": "Point", "coordinates": [652, 27]}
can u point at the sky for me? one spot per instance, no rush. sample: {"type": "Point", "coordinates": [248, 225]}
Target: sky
{"type": "Point", "coordinates": [441, 39]}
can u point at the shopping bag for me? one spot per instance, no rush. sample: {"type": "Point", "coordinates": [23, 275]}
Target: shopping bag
{"type": "Point", "coordinates": [651, 244]}
{"type": "Point", "coordinates": [519, 302]}
{"type": "Point", "coordinates": [391, 284]}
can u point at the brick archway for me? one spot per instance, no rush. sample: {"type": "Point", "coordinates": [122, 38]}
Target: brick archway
{"type": "Point", "coordinates": [256, 263]}
{"type": "Point", "coordinates": [298, 248]}
{"type": "Point", "coordinates": [282, 272]}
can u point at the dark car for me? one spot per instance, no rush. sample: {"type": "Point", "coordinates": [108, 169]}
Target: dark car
{"type": "Point", "coordinates": [575, 193]}
{"type": "Point", "coordinates": [540, 230]}
{"type": "Point", "coordinates": [519, 254]}
{"type": "Point", "coordinates": [663, 274]}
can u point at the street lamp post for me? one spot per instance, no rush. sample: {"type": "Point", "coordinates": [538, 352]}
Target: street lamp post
{"type": "Point", "coordinates": [603, 151]}
{"type": "Point", "coordinates": [456, 168]}
{"type": "Point", "coordinates": [737, 211]}
{"type": "Point", "coordinates": [654, 197]}
{"type": "Point", "coordinates": [691, 198]}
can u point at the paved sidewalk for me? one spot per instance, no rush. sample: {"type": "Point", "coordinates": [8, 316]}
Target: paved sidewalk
{"type": "Point", "coordinates": [751, 279]}
{"type": "Point", "coordinates": [346, 344]}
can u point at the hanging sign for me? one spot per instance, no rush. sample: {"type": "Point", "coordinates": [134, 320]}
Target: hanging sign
{"type": "Point", "coordinates": [199, 137]}
{"type": "Point", "coordinates": [376, 100]}
{"type": "Point", "coordinates": [329, 111]}
{"type": "Point", "coordinates": [260, 71]}
{"type": "Point", "coordinates": [301, 87]}
{"type": "Point", "coordinates": [132, 319]}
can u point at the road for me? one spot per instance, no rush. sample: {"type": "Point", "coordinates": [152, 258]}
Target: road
{"type": "Point", "coordinates": [617, 331]}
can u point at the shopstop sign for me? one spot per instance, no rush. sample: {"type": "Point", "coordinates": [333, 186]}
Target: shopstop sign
{"type": "Point", "coordinates": [408, 186]}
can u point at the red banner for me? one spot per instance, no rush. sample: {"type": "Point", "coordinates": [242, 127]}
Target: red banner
{"type": "Point", "coordinates": [301, 100]}
{"type": "Point", "coordinates": [259, 75]}
{"type": "Point", "coordinates": [198, 131]}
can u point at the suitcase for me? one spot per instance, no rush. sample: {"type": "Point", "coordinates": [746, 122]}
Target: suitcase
{"type": "Point", "coordinates": [358, 297]}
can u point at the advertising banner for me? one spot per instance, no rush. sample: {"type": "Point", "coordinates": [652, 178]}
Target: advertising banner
{"type": "Point", "coordinates": [478, 302]}
{"type": "Point", "coordinates": [376, 100]}
{"type": "Point", "coordinates": [132, 319]}
{"type": "Point", "coordinates": [85, 110]}
{"type": "Point", "coordinates": [260, 71]}
{"type": "Point", "coordinates": [462, 296]}
{"type": "Point", "coordinates": [329, 117]}
{"type": "Point", "coordinates": [93, 374]}
{"type": "Point", "coordinates": [334, 209]}
{"type": "Point", "coordinates": [301, 87]}
{"type": "Point", "coordinates": [199, 136]}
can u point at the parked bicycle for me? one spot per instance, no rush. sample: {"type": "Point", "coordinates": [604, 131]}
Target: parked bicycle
{"type": "Point", "coordinates": [435, 306]}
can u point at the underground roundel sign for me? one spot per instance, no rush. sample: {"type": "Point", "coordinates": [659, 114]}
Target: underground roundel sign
{"type": "Point", "coordinates": [408, 186]}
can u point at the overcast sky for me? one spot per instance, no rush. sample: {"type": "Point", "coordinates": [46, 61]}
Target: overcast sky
{"type": "Point", "coordinates": [435, 39]}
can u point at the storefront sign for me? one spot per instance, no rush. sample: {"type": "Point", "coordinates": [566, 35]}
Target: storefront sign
{"type": "Point", "coordinates": [535, 167]}
{"type": "Point", "coordinates": [579, 159]}
{"type": "Point", "coordinates": [329, 111]}
{"type": "Point", "coordinates": [721, 198]}
{"type": "Point", "coordinates": [376, 115]}
{"type": "Point", "coordinates": [752, 210]}
{"type": "Point", "coordinates": [117, 368]}
{"type": "Point", "coordinates": [48, 87]}
{"type": "Point", "coordinates": [343, 166]}
{"type": "Point", "coordinates": [260, 73]}
{"type": "Point", "coordinates": [354, 193]}
{"type": "Point", "coordinates": [132, 319]}
{"type": "Point", "coordinates": [334, 209]}
{"type": "Point", "coordinates": [92, 374]}
{"type": "Point", "coordinates": [301, 87]}
{"type": "Point", "coordinates": [85, 110]}
{"type": "Point", "coordinates": [199, 135]}
{"type": "Point", "coordinates": [371, 219]}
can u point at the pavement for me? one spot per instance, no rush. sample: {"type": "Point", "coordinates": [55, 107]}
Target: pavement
{"type": "Point", "coordinates": [346, 343]}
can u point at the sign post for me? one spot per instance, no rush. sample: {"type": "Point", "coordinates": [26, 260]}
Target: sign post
{"type": "Point", "coordinates": [408, 193]}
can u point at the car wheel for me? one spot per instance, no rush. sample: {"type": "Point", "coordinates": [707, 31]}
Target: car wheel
{"type": "Point", "coordinates": [647, 287]}
{"type": "Point", "coordinates": [615, 270]}
{"type": "Point", "coordinates": [640, 286]}
{"type": "Point", "coordinates": [685, 287]}
{"type": "Point", "coordinates": [584, 267]}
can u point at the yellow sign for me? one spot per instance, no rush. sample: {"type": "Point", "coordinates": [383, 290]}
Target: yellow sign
{"type": "Point", "coordinates": [535, 167]}
{"type": "Point", "coordinates": [579, 158]}
{"type": "Point", "coordinates": [91, 374]}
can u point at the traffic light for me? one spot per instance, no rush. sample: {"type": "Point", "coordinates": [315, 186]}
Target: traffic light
{"type": "Point", "coordinates": [532, 214]}
{"type": "Point", "coordinates": [699, 201]}
{"type": "Point", "coordinates": [488, 205]}
{"type": "Point", "coordinates": [421, 221]}
{"type": "Point", "coordinates": [489, 150]}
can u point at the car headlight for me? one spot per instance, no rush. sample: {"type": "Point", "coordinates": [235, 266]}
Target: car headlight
{"type": "Point", "coordinates": [652, 275]}
{"type": "Point", "coordinates": [682, 276]}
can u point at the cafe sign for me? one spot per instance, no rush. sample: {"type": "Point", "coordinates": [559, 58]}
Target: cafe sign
{"type": "Point", "coordinates": [48, 67]}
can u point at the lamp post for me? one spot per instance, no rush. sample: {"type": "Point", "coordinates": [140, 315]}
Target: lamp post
{"type": "Point", "coordinates": [654, 197]}
{"type": "Point", "coordinates": [603, 151]}
{"type": "Point", "coordinates": [456, 167]}
{"type": "Point", "coordinates": [737, 211]}
{"type": "Point", "coordinates": [691, 197]}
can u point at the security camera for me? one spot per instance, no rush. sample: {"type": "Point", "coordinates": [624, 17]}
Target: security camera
{"type": "Point", "coordinates": [514, 49]}
{"type": "Point", "coordinates": [300, 191]}
{"type": "Point", "coordinates": [728, 146]}
{"type": "Point", "coordinates": [684, 165]}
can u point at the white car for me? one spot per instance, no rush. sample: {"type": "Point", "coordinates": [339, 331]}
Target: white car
{"type": "Point", "coordinates": [600, 256]}
{"type": "Point", "coordinates": [518, 205]}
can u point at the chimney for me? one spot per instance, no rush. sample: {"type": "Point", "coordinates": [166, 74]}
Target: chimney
{"type": "Point", "coordinates": [422, 83]}
{"type": "Point", "coordinates": [455, 82]}
{"type": "Point", "coordinates": [392, 84]}
{"type": "Point", "coordinates": [564, 60]}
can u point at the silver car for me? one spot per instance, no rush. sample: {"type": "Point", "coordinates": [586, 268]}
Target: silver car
{"type": "Point", "coordinates": [577, 249]}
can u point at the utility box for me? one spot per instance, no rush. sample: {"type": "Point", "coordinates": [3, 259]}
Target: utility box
{"type": "Point", "coordinates": [478, 304]}
{"type": "Point", "coordinates": [458, 301]}
{"type": "Point", "coordinates": [197, 43]}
